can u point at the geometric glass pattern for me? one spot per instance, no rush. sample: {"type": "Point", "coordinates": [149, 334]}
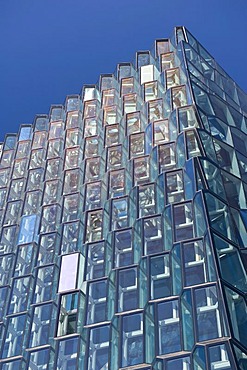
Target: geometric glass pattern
{"type": "Point", "coordinates": [123, 222]}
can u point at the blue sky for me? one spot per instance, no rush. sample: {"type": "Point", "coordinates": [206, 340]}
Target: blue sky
{"type": "Point", "coordinates": [50, 48]}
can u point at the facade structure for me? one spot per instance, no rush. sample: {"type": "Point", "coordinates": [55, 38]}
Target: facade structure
{"type": "Point", "coordinates": [123, 222]}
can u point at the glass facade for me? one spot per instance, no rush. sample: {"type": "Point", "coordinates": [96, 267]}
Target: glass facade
{"type": "Point", "coordinates": [123, 222]}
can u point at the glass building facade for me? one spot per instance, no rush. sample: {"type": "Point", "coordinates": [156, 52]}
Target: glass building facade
{"type": "Point", "coordinates": [123, 222]}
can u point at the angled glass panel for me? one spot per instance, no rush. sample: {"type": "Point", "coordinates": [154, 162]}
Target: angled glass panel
{"type": "Point", "coordinates": [127, 289]}
{"type": "Point", "coordinates": [97, 301]}
{"type": "Point", "coordinates": [123, 251]}
{"type": "Point", "coordinates": [14, 336]}
{"type": "Point", "coordinates": [67, 354]}
{"type": "Point", "coordinates": [209, 324]}
{"type": "Point", "coordinates": [98, 348]}
{"type": "Point", "coordinates": [132, 340]}
{"type": "Point", "coordinates": [168, 327]}
{"type": "Point", "coordinates": [160, 281]}
{"type": "Point", "coordinates": [42, 325]}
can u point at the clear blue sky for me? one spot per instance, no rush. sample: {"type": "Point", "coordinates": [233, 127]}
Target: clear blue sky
{"type": "Point", "coordinates": [50, 48]}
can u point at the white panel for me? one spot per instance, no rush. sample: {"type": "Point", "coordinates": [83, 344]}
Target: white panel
{"type": "Point", "coordinates": [68, 274]}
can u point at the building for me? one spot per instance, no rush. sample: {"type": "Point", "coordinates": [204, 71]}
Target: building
{"type": "Point", "coordinates": [123, 222]}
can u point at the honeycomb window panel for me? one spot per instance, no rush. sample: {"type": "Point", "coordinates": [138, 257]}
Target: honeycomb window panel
{"type": "Point", "coordinates": [16, 189]}
{"type": "Point", "coordinates": [55, 148]}
{"type": "Point", "coordinates": [209, 322]}
{"type": "Point", "coordinates": [99, 342]}
{"type": "Point", "coordinates": [94, 226]}
{"type": "Point", "coordinates": [133, 123]}
{"type": "Point", "coordinates": [152, 235]}
{"type": "Point", "coordinates": [155, 110]}
{"type": "Point", "coordinates": [19, 168]}
{"type": "Point", "coordinates": [162, 46]}
{"type": "Point", "coordinates": [141, 170]}
{"type": "Point", "coordinates": [23, 150]}
{"type": "Point", "coordinates": [90, 126]}
{"type": "Point", "coordinates": [93, 195]}
{"type": "Point", "coordinates": [56, 113]}
{"type": "Point", "coordinates": [42, 327]}
{"type": "Point", "coordinates": [147, 200]}
{"type": "Point", "coordinates": [72, 138]}
{"type": "Point", "coordinates": [70, 310]}
{"type": "Point", "coordinates": [167, 61]}
{"type": "Point", "coordinates": [172, 78]}
{"type": "Point", "coordinates": [123, 248]}
{"type": "Point", "coordinates": [4, 176]}
{"type": "Point", "coordinates": [45, 287]}
{"type": "Point", "coordinates": [41, 123]}
{"type": "Point", "coordinates": [132, 341]}
{"type": "Point", "coordinates": [111, 135]}
{"type": "Point", "coordinates": [68, 279]}
{"type": "Point", "coordinates": [130, 103]}
{"type": "Point", "coordinates": [119, 213]}
{"type": "Point", "coordinates": [220, 357]}
{"type": "Point", "coordinates": [72, 103]}
{"type": "Point", "coordinates": [14, 338]}
{"type": "Point", "coordinates": [72, 180]}
{"type": "Point", "coordinates": [12, 212]}
{"type": "Point", "coordinates": [192, 144]}
{"type": "Point", "coordinates": [39, 139]}
{"type": "Point", "coordinates": [8, 239]}
{"type": "Point", "coordinates": [90, 92]}
{"type": "Point", "coordinates": [91, 147]}
{"type": "Point", "coordinates": [72, 158]}
{"type": "Point", "coordinates": [52, 191]}
{"type": "Point", "coordinates": [114, 157]}
{"type": "Point", "coordinates": [73, 120]}
{"type": "Point", "coordinates": [34, 179]}
{"type": "Point", "coordinates": [111, 115]}
{"type": "Point", "coordinates": [3, 193]}
{"type": "Point", "coordinates": [71, 237]}
{"type": "Point", "coordinates": [96, 262]}
{"type": "Point", "coordinates": [25, 259]}
{"type": "Point", "coordinates": [181, 362]}
{"type": "Point", "coordinates": [92, 169]}
{"type": "Point", "coordinates": [68, 353]}
{"type": "Point", "coordinates": [97, 301]}
{"type": "Point", "coordinates": [108, 81]}
{"type": "Point", "coordinates": [128, 289]}
{"type": "Point", "coordinates": [71, 211]}
{"type": "Point", "coordinates": [187, 117]}
{"type": "Point", "coordinates": [174, 186]}
{"type": "Point", "coordinates": [20, 298]}
{"type": "Point", "coordinates": [150, 90]}
{"type": "Point", "coordinates": [48, 249]}
{"type": "Point", "coordinates": [53, 169]}
{"type": "Point", "coordinates": [168, 318]}
{"type": "Point", "coordinates": [160, 132]}
{"type": "Point", "coordinates": [37, 158]}
{"type": "Point", "coordinates": [148, 73]}
{"type": "Point", "coordinates": [194, 260]}
{"type": "Point", "coordinates": [40, 359]}
{"type": "Point", "coordinates": [56, 130]}
{"type": "Point", "coordinates": [127, 86]}
{"type": "Point", "coordinates": [109, 97]}
{"type": "Point", "coordinates": [137, 145]}
{"type": "Point", "coordinates": [179, 98]}
{"type": "Point", "coordinates": [91, 108]}
{"type": "Point", "coordinates": [50, 218]}
{"type": "Point", "coordinates": [5, 268]}
{"type": "Point", "coordinates": [116, 183]}
{"type": "Point", "coordinates": [160, 276]}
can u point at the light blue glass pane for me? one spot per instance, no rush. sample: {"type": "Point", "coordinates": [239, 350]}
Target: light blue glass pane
{"type": "Point", "coordinates": [39, 360]}
{"type": "Point", "coordinates": [28, 229]}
